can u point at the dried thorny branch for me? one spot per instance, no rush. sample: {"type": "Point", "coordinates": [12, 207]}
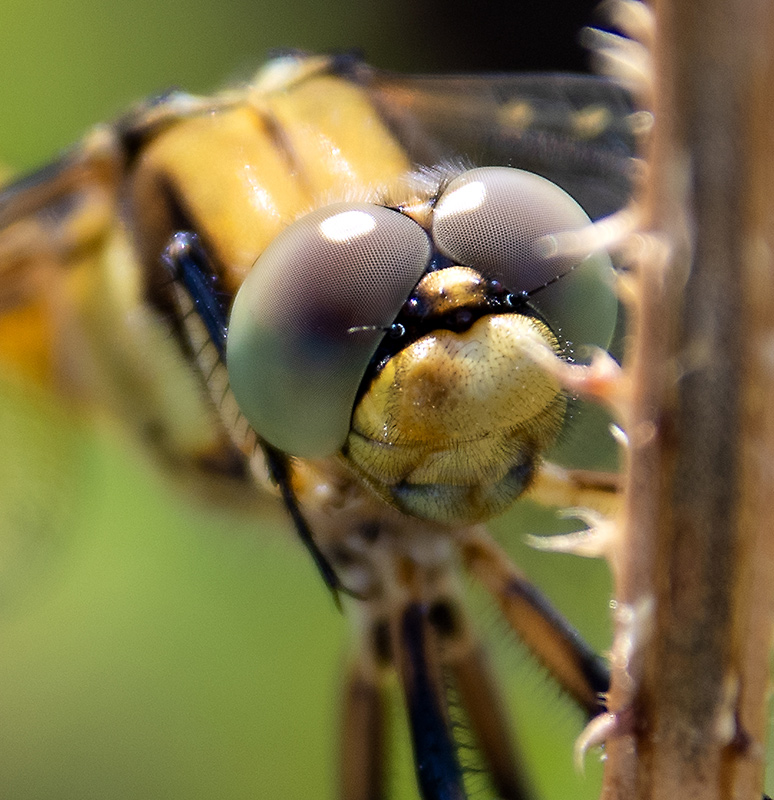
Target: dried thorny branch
{"type": "Point", "coordinates": [695, 556]}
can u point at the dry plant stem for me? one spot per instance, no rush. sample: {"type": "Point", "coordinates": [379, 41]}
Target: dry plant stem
{"type": "Point", "coordinates": [696, 576]}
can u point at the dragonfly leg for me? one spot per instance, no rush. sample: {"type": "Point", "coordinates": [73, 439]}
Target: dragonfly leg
{"type": "Point", "coordinates": [574, 488]}
{"type": "Point", "coordinates": [446, 683]}
{"type": "Point", "coordinates": [421, 676]}
{"type": "Point", "coordinates": [553, 641]}
{"type": "Point", "coordinates": [485, 712]}
{"type": "Point", "coordinates": [363, 738]}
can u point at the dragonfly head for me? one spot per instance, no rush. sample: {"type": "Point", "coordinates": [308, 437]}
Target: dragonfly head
{"type": "Point", "coordinates": [409, 347]}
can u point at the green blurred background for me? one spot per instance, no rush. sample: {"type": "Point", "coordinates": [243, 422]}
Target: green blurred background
{"type": "Point", "coordinates": [151, 648]}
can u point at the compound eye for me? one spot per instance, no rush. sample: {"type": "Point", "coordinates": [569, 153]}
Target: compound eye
{"type": "Point", "coordinates": [495, 219]}
{"type": "Point", "coordinates": [501, 222]}
{"type": "Point", "coordinates": [310, 315]}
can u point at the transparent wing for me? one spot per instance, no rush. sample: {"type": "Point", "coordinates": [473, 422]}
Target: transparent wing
{"type": "Point", "coordinates": [575, 130]}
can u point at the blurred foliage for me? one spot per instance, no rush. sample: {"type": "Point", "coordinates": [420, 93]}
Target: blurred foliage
{"type": "Point", "coordinates": [150, 648]}
{"type": "Point", "coordinates": [67, 64]}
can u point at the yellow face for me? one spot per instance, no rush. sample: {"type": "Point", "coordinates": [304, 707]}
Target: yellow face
{"type": "Point", "coordinates": [453, 426]}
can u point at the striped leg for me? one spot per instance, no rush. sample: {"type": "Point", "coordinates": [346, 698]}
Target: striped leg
{"type": "Point", "coordinates": [363, 742]}
{"type": "Point", "coordinates": [553, 641]}
{"type": "Point", "coordinates": [440, 666]}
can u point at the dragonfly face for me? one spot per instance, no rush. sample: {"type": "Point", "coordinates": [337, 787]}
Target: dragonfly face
{"type": "Point", "coordinates": [447, 416]}
{"type": "Point", "coordinates": [357, 335]}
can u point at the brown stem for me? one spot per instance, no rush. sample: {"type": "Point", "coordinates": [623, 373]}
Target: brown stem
{"type": "Point", "coordinates": [696, 576]}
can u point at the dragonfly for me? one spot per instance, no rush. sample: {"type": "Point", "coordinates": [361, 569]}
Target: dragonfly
{"type": "Point", "coordinates": [182, 267]}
